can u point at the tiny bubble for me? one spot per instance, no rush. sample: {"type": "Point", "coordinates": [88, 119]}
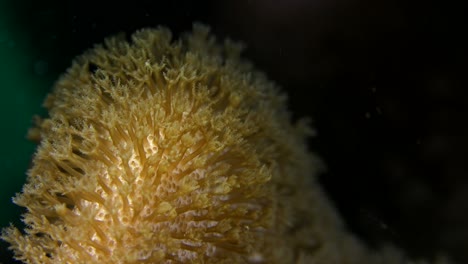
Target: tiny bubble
{"type": "Point", "coordinates": [368, 115]}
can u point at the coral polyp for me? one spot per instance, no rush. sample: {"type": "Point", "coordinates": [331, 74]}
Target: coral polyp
{"type": "Point", "coordinates": [158, 150]}
{"type": "Point", "coordinates": [165, 151]}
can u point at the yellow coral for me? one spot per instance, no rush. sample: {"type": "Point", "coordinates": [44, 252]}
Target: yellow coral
{"type": "Point", "coordinates": [162, 151]}
{"type": "Point", "coordinates": [174, 151]}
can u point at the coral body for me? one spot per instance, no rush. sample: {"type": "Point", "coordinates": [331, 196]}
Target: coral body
{"type": "Point", "coordinates": [163, 151]}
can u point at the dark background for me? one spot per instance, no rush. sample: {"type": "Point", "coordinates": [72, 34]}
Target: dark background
{"type": "Point", "coordinates": [384, 82]}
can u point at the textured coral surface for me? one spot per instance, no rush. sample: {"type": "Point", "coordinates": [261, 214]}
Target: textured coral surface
{"type": "Point", "coordinates": [174, 151]}
{"type": "Point", "coordinates": [165, 151]}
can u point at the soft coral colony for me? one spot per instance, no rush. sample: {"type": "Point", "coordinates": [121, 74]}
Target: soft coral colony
{"type": "Point", "coordinates": [175, 151]}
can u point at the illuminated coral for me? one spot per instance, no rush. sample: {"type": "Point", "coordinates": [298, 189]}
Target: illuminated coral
{"type": "Point", "coordinates": [174, 151]}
